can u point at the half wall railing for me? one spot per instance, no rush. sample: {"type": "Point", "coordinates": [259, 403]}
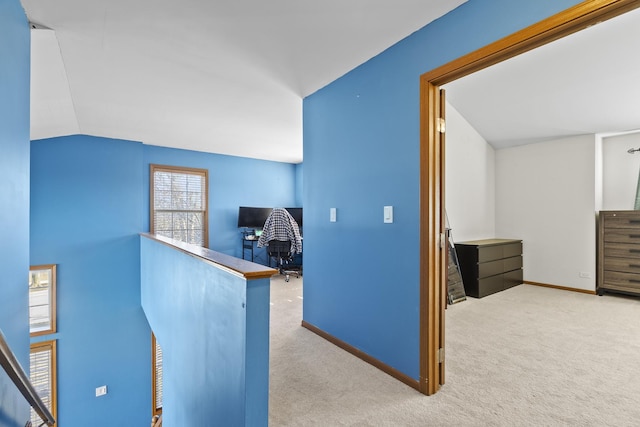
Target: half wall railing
{"type": "Point", "coordinates": [21, 380]}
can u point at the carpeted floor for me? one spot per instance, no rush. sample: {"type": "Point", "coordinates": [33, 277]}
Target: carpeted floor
{"type": "Point", "coordinates": [528, 356]}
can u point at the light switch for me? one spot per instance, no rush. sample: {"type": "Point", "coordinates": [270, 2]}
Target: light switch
{"type": "Point", "coordinates": [101, 391]}
{"type": "Point", "coordinates": [332, 214]}
{"type": "Point", "coordinates": [388, 214]}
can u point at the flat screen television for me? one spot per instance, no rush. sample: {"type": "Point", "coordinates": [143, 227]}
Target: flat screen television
{"type": "Point", "coordinates": [296, 213]}
{"type": "Point", "coordinates": [252, 217]}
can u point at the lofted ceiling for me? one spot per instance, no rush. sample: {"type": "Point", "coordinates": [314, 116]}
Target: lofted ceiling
{"type": "Point", "coordinates": [586, 83]}
{"type": "Point", "coordinates": [208, 75]}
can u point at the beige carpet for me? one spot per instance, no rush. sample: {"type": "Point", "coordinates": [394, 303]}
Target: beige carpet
{"type": "Point", "coordinates": [528, 356]}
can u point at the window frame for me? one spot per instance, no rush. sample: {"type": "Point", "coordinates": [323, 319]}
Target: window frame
{"type": "Point", "coordinates": [179, 170]}
{"type": "Point", "coordinates": [155, 409]}
{"type": "Point", "coordinates": [51, 346]}
{"type": "Point", "coordinates": [52, 300]}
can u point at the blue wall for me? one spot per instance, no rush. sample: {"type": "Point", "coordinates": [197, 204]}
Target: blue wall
{"type": "Point", "coordinates": [86, 213]}
{"type": "Point", "coordinates": [89, 201]}
{"type": "Point", "coordinates": [233, 182]}
{"type": "Point", "coordinates": [14, 199]}
{"type": "Point", "coordinates": [299, 183]}
{"type": "Point", "coordinates": [361, 152]}
{"type": "Point", "coordinates": [213, 327]}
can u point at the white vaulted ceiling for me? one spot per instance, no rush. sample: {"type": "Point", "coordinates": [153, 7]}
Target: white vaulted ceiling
{"type": "Point", "coordinates": [586, 83]}
{"type": "Point", "coordinates": [208, 75]}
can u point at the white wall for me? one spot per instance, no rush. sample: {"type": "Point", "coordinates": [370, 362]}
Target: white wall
{"type": "Point", "coordinates": [470, 180]}
{"type": "Point", "coordinates": [620, 171]}
{"type": "Point", "coordinates": [545, 195]}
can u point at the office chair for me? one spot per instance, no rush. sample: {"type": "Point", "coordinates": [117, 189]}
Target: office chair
{"type": "Point", "coordinates": [281, 235]}
{"type": "Point", "coordinates": [280, 251]}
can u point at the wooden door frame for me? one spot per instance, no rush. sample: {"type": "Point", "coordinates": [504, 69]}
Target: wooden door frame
{"type": "Point", "coordinates": [432, 157]}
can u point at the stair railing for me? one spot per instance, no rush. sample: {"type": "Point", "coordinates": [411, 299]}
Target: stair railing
{"type": "Point", "coordinates": [16, 373]}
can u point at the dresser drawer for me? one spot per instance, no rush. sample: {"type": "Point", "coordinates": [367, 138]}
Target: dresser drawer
{"type": "Point", "coordinates": [487, 286]}
{"type": "Point", "coordinates": [627, 265]}
{"type": "Point", "coordinates": [621, 250]}
{"type": "Point", "coordinates": [620, 219]}
{"type": "Point", "coordinates": [622, 235]}
{"type": "Point", "coordinates": [513, 278]}
{"type": "Point", "coordinates": [492, 268]}
{"type": "Point", "coordinates": [616, 280]}
{"type": "Point", "coordinates": [491, 253]}
{"type": "Point", "coordinates": [493, 284]}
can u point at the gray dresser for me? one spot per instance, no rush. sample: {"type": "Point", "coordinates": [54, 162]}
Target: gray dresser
{"type": "Point", "coordinates": [619, 252]}
{"type": "Point", "coordinates": [489, 266]}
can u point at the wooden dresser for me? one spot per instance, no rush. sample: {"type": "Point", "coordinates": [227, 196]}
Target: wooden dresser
{"type": "Point", "coordinates": [489, 266]}
{"type": "Point", "coordinates": [619, 252]}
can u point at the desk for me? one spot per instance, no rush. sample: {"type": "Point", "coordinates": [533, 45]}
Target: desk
{"type": "Point", "coordinates": [248, 243]}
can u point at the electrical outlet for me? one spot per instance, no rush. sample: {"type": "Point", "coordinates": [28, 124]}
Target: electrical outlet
{"type": "Point", "coordinates": [101, 391]}
{"type": "Point", "coordinates": [585, 275]}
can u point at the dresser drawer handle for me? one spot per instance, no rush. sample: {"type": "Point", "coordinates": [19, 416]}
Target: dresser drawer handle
{"type": "Point", "coordinates": [634, 236]}
{"type": "Point", "coordinates": [634, 280]}
{"type": "Point", "coordinates": [634, 265]}
{"type": "Point", "coordinates": [634, 251]}
{"type": "Point", "coordinates": [634, 221]}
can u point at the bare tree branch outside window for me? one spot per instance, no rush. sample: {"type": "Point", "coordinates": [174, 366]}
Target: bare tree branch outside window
{"type": "Point", "coordinates": [180, 204]}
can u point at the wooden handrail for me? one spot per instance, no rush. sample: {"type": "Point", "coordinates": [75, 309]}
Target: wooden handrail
{"type": "Point", "coordinates": [16, 373]}
{"type": "Point", "coordinates": [240, 267]}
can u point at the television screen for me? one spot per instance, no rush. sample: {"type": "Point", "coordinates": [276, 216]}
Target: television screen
{"type": "Point", "coordinates": [252, 217]}
{"type": "Point", "coordinates": [296, 213]}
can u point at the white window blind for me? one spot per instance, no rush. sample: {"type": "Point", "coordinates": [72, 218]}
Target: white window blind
{"type": "Point", "coordinates": [158, 378]}
{"type": "Point", "coordinates": [42, 363]}
{"type": "Point", "coordinates": [180, 204]}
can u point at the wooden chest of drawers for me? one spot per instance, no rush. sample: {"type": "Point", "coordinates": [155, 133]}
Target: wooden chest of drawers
{"type": "Point", "coordinates": [489, 266]}
{"type": "Point", "coordinates": [619, 252]}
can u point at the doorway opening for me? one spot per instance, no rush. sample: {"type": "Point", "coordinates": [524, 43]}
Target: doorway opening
{"type": "Point", "coordinates": [432, 156]}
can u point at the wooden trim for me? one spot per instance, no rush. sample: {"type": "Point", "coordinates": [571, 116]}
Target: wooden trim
{"type": "Point", "coordinates": [53, 297]}
{"type": "Point", "coordinates": [51, 346]}
{"type": "Point", "coordinates": [562, 288]}
{"type": "Point", "coordinates": [363, 356]}
{"type": "Point", "coordinates": [431, 223]}
{"type": "Point", "coordinates": [574, 19]}
{"type": "Point", "coordinates": [154, 409]}
{"type": "Point", "coordinates": [571, 20]}
{"type": "Point", "coordinates": [246, 269]}
{"type": "Point", "coordinates": [180, 169]}
{"type": "Point", "coordinates": [443, 230]}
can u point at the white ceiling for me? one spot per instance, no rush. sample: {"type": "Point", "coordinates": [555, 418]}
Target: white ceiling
{"type": "Point", "coordinates": [586, 83]}
{"type": "Point", "coordinates": [208, 75]}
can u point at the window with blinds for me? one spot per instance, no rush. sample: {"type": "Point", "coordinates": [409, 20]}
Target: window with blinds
{"type": "Point", "coordinates": [42, 363]}
{"type": "Point", "coordinates": [156, 375]}
{"type": "Point", "coordinates": [179, 203]}
{"type": "Point", "coordinates": [42, 300]}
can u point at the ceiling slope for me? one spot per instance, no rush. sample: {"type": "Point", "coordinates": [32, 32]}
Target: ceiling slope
{"type": "Point", "coordinates": [215, 76]}
{"type": "Point", "coordinates": [586, 83]}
